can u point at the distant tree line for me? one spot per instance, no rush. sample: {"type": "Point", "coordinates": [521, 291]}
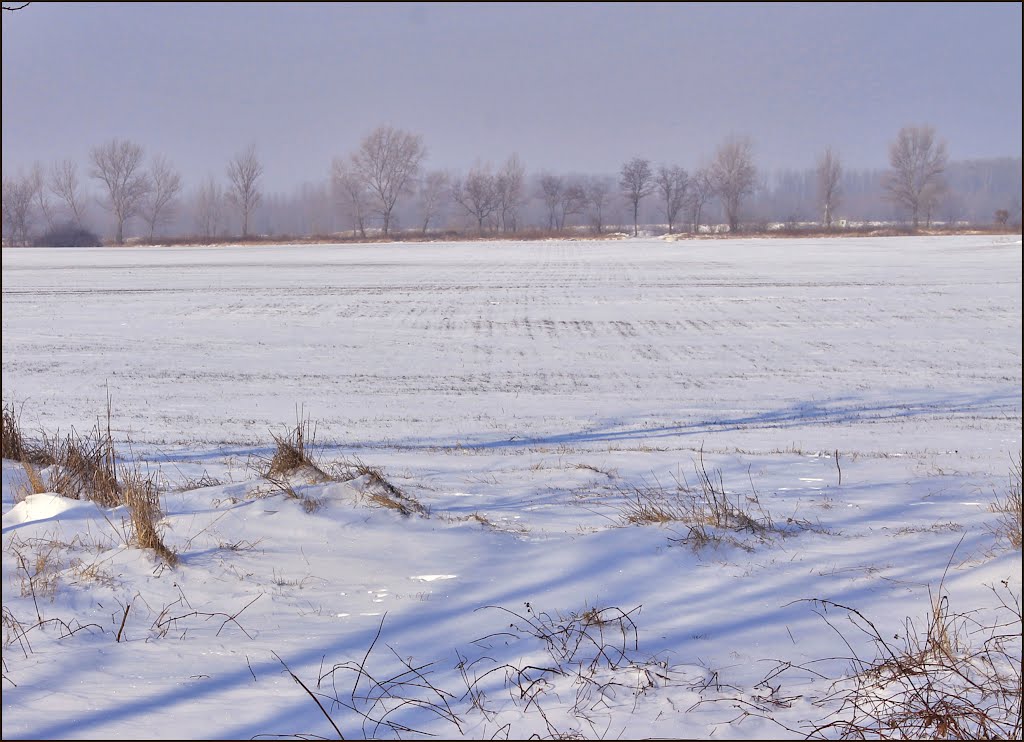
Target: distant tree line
{"type": "Point", "coordinates": [382, 188]}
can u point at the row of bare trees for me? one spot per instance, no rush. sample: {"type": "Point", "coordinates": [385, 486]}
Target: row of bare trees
{"type": "Point", "coordinates": [915, 183]}
{"type": "Point", "coordinates": [731, 177]}
{"type": "Point", "coordinates": [129, 189]}
{"type": "Point", "coordinates": [368, 184]}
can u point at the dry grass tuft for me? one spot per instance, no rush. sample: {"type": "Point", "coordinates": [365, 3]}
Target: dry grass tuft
{"type": "Point", "coordinates": [1011, 520]}
{"type": "Point", "coordinates": [13, 440]}
{"type": "Point", "coordinates": [84, 467]}
{"type": "Point", "coordinates": [204, 481]}
{"type": "Point", "coordinates": [293, 453]}
{"type": "Point", "coordinates": [142, 499]}
{"type": "Point", "coordinates": [35, 484]}
{"type": "Point", "coordinates": [377, 489]}
{"type": "Point", "coordinates": [705, 509]}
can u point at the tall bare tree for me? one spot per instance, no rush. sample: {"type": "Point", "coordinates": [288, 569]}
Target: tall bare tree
{"type": "Point", "coordinates": [598, 193]}
{"type": "Point", "coordinates": [244, 171]}
{"type": "Point", "coordinates": [351, 194]}
{"type": "Point", "coordinates": [734, 176]}
{"type": "Point", "coordinates": [636, 181]}
{"type": "Point", "coordinates": [916, 180]}
{"type": "Point", "coordinates": [209, 208]}
{"type": "Point", "coordinates": [18, 198]}
{"type": "Point", "coordinates": [477, 194]}
{"type": "Point", "coordinates": [672, 184]}
{"type": "Point", "coordinates": [165, 187]}
{"type": "Point", "coordinates": [829, 174]}
{"type": "Point", "coordinates": [388, 161]}
{"type": "Point", "coordinates": [573, 201]}
{"type": "Point", "coordinates": [699, 193]}
{"type": "Point", "coordinates": [42, 195]}
{"type": "Point", "coordinates": [550, 191]}
{"type": "Point", "coordinates": [63, 184]}
{"type": "Point", "coordinates": [118, 165]}
{"type": "Point", "coordinates": [434, 192]}
{"type": "Point", "coordinates": [509, 183]}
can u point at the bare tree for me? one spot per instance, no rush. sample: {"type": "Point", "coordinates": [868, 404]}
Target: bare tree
{"type": "Point", "coordinates": [598, 193]}
{"type": "Point", "coordinates": [671, 183]}
{"type": "Point", "coordinates": [42, 195]}
{"type": "Point", "coordinates": [18, 197]}
{"type": "Point", "coordinates": [699, 193]}
{"type": "Point", "coordinates": [477, 194]}
{"type": "Point", "coordinates": [244, 170]}
{"type": "Point", "coordinates": [636, 182]}
{"type": "Point", "coordinates": [734, 176]}
{"type": "Point", "coordinates": [829, 173]}
{"type": "Point", "coordinates": [550, 192]}
{"type": "Point", "coordinates": [918, 162]}
{"type": "Point", "coordinates": [387, 162]}
{"type": "Point", "coordinates": [63, 184]}
{"type": "Point", "coordinates": [573, 201]}
{"type": "Point", "coordinates": [118, 165]}
{"type": "Point", "coordinates": [209, 208]}
{"type": "Point", "coordinates": [509, 185]}
{"type": "Point", "coordinates": [165, 187]}
{"type": "Point", "coordinates": [351, 194]}
{"type": "Point", "coordinates": [434, 192]}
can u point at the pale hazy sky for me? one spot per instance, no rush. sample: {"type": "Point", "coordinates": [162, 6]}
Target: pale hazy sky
{"type": "Point", "coordinates": [570, 87]}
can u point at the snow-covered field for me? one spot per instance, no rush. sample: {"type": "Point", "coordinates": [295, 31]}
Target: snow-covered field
{"type": "Point", "coordinates": [859, 400]}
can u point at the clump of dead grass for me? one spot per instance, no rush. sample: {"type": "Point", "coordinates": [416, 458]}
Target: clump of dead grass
{"type": "Point", "coordinates": [293, 460]}
{"type": "Point", "coordinates": [293, 453]}
{"type": "Point", "coordinates": [142, 499]}
{"type": "Point", "coordinates": [378, 490]}
{"type": "Point", "coordinates": [85, 467]}
{"type": "Point", "coordinates": [705, 509]}
{"type": "Point", "coordinates": [1009, 507]}
{"type": "Point", "coordinates": [955, 677]}
{"type": "Point", "coordinates": [34, 484]}
{"type": "Point", "coordinates": [16, 445]}
{"type": "Point", "coordinates": [13, 440]}
{"type": "Point", "coordinates": [80, 466]}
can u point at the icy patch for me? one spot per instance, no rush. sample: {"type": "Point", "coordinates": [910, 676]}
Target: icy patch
{"type": "Point", "coordinates": [431, 578]}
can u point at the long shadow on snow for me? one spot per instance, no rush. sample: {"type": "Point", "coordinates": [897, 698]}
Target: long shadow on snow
{"type": "Point", "coordinates": [839, 411]}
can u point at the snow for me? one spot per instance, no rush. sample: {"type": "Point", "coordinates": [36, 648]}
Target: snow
{"type": "Point", "coordinates": [860, 396]}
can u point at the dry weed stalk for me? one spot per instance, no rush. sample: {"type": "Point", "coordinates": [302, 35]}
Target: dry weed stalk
{"type": "Point", "coordinates": [955, 678]}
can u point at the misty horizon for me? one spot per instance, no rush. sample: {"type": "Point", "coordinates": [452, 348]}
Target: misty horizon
{"type": "Point", "coordinates": [569, 88]}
